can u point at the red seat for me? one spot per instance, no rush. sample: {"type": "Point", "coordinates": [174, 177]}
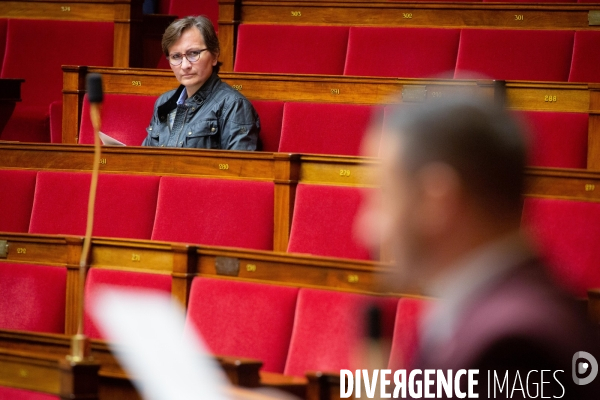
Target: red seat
{"type": "Point", "coordinates": [218, 212]}
{"type": "Point", "coordinates": [586, 57]}
{"type": "Point", "coordinates": [54, 43]}
{"type": "Point", "coordinates": [533, 55]}
{"type": "Point", "coordinates": [244, 319]}
{"type": "Point", "coordinates": [125, 204]}
{"type": "Point", "coordinates": [16, 199]}
{"type": "Point", "coordinates": [406, 340]}
{"type": "Point", "coordinates": [8, 393]}
{"type": "Point", "coordinates": [33, 297]}
{"type": "Point", "coordinates": [98, 278]}
{"type": "Point", "coordinates": [568, 233]}
{"type": "Point", "coordinates": [401, 52]}
{"type": "Point", "coordinates": [124, 117]}
{"type": "Point", "coordinates": [56, 111]}
{"type": "Point", "coordinates": [325, 128]}
{"type": "Point", "coordinates": [329, 329]}
{"type": "Point", "coordinates": [271, 115]}
{"type": "Point", "coordinates": [323, 221]}
{"type": "Point", "coordinates": [291, 49]}
{"type": "Point", "coordinates": [558, 139]}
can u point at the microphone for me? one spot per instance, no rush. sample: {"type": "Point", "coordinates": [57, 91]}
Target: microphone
{"type": "Point", "coordinates": [80, 346]}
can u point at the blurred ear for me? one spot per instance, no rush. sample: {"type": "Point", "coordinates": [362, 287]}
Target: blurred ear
{"type": "Point", "coordinates": [441, 195]}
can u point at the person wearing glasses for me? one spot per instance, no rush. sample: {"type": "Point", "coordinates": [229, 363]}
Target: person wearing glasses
{"type": "Point", "coordinates": [203, 112]}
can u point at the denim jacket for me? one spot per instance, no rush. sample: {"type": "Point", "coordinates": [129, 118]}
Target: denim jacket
{"type": "Point", "coordinates": [216, 117]}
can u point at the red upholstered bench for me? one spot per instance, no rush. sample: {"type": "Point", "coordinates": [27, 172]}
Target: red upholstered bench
{"type": "Point", "coordinates": [326, 128]}
{"type": "Point", "coordinates": [35, 51]}
{"type": "Point", "coordinates": [533, 55]}
{"type": "Point", "coordinates": [16, 199]}
{"type": "Point", "coordinates": [586, 57]}
{"type": "Point", "coordinates": [401, 52]}
{"type": "Point", "coordinates": [270, 114]}
{"type": "Point", "coordinates": [291, 49]}
{"type": "Point", "coordinates": [323, 221]}
{"type": "Point", "coordinates": [33, 297]}
{"type": "Point", "coordinates": [124, 117]}
{"type": "Point", "coordinates": [9, 393]}
{"type": "Point", "coordinates": [568, 233]}
{"type": "Point", "coordinates": [125, 204]}
{"type": "Point", "coordinates": [329, 328]}
{"type": "Point", "coordinates": [244, 319]}
{"type": "Point", "coordinates": [558, 139]}
{"type": "Point", "coordinates": [218, 212]}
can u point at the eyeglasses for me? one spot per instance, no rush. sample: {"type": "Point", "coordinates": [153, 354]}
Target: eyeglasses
{"type": "Point", "coordinates": [192, 56]}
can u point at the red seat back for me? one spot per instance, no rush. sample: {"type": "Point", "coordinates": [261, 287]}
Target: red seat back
{"type": "Point", "coordinates": [33, 297]}
{"type": "Point", "coordinates": [98, 278]}
{"type": "Point", "coordinates": [244, 319]}
{"type": "Point", "coordinates": [329, 329]}
{"type": "Point", "coordinates": [3, 25]}
{"type": "Point", "coordinates": [291, 49]}
{"type": "Point", "coordinates": [16, 199]}
{"type": "Point", "coordinates": [125, 204]}
{"type": "Point", "coordinates": [558, 139]}
{"type": "Point", "coordinates": [218, 212]}
{"type": "Point", "coordinates": [586, 57]}
{"type": "Point", "coordinates": [9, 393]}
{"type": "Point", "coordinates": [326, 128]}
{"type": "Point", "coordinates": [124, 117]}
{"type": "Point", "coordinates": [401, 52]}
{"type": "Point", "coordinates": [54, 43]}
{"type": "Point", "coordinates": [323, 221]}
{"type": "Point", "coordinates": [568, 233]}
{"type": "Point", "coordinates": [406, 340]}
{"type": "Point", "coordinates": [533, 55]}
{"type": "Point", "coordinates": [271, 115]}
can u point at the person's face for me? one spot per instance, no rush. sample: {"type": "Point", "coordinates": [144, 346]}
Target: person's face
{"type": "Point", "coordinates": [192, 75]}
{"type": "Point", "coordinates": [390, 221]}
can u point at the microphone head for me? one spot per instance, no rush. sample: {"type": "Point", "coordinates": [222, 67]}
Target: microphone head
{"type": "Point", "coordinates": [94, 88]}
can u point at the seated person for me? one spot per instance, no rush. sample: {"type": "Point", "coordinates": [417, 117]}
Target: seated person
{"type": "Point", "coordinates": [203, 112]}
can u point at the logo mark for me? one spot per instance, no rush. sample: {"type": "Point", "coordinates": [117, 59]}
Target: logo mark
{"type": "Point", "coordinates": [583, 367]}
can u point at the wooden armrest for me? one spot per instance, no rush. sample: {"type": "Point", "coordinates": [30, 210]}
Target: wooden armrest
{"type": "Point", "coordinates": [241, 371]}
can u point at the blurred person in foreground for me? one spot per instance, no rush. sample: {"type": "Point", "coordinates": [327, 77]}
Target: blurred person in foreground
{"type": "Point", "coordinates": [203, 112]}
{"type": "Point", "coordinates": [452, 180]}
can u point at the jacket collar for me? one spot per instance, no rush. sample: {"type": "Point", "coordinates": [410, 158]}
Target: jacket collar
{"type": "Point", "coordinates": [202, 94]}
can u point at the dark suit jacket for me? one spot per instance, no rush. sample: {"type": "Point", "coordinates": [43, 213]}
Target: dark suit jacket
{"type": "Point", "coordinates": [523, 322]}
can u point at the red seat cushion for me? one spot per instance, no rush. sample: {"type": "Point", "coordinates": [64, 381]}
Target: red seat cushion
{"type": "Point", "coordinates": [323, 221]}
{"type": "Point", "coordinates": [125, 204]}
{"type": "Point", "coordinates": [291, 49]}
{"type": "Point", "coordinates": [16, 199]}
{"type": "Point", "coordinates": [98, 278]}
{"type": "Point", "coordinates": [7, 393]}
{"type": "Point", "coordinates": [558, 139]}
{"type": "Point", "coordinates": [55, 43]}
{"type": "Point", "coordinates": [124, 117]}
{"type": "Point", "coordinates": [533, 55]}
{"type": "Point", "coordinates": [329, 329]}
{"type": "Point", "coordinates": [271, 115]}
{"type": "Point", "coordinates": [3, 25]}
{"type": "Point", "coordinates": [56, 111]}
{"type": "Point", "coordinates": [28, 124]}
{"type": "Point", "coordinates": [33, 297]}
{"type": "Point", "coordinates": [586, 57]}
{"type": "Point", "coordinates": [325, 128]}
{"type": "Point", "coordinates": [568, 233]}
{"type": "Point", "coordinates": [218, 212]}
{"type": "Point", "coordinates": [244, 319]}
{"type": "Point", "coordinates": [401, 52]}
{"type": "Point", "coordinates": [406, 340]}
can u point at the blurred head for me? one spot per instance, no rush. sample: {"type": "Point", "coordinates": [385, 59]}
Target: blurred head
{"type": "Point", "coordinates": [451, 178]}
{"type": "Point", "coordinates": [184, 37]}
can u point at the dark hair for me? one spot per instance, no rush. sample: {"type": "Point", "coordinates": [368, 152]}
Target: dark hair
{"type": "Point", "coordinates": [204, 26]}
{"type": "Point", "coordinates": [480, 140]}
